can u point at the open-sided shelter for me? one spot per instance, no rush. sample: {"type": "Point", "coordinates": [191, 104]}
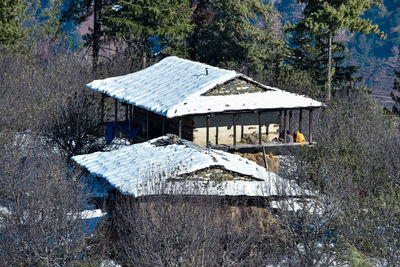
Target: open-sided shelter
{"type": "Point", "coordinates": [201, 103]}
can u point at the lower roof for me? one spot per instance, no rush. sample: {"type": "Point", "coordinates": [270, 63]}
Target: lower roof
{"type": "Point", "coordinates": [163, 166]}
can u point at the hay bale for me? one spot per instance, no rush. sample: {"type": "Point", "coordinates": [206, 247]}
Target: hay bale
{"type": "Point", "coordinates": [272, 161]}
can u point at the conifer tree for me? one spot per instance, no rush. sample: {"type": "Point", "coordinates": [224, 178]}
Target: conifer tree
{"type": "Point", "coordinates": [79, 11]}
{"type": "Point", "coordinates": [395, 94]}
{"type": "Point", "coordinates": [329, 17]}
{"type": "Point", "coordinates": [234, 34]}
{"type": "Point", "coordinates": [307, 53]}
{"type": "Point", "coordinates": [143, 23]}
{"type": "Point", "coordinates": [12, 15]}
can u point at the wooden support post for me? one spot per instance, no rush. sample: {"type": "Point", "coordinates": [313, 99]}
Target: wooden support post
{"type": "Point", "coordinates": [130, 118]}
{"type": "Point", "coordinates": [241, 132]}
{"type": "Point", "coordinates": [216, 135]}
{"type": "Point", "coordinates": [280, 120]}
{"type": "Point", "coordinates": [300, 120]}
{"type": "Point", "coordinates": [116, 112]}
{"type": "Point", "coordinates": [126, 112]}
{"type": "Point", "coordinates": [163, 125]}
{"type": "Point", "coordinates": [259, 127]}
{"type": "Point", "coordinates": [234, 129]}
{"type": "Point", "coordinates": [102, 108]}
{"type": "Point", "coordinates": [285, 126]}
{"type": "Point", "coordinates": [180, 127]}
{"type": "Point", "coordinates": [265, 158]}
{"type": "Point", "coordinates": [147, 125]}
{"type": "Point", "coordinates": [310, 126]}
{"type": "Point", "coordinates": [207, 130]}
{"type": "Point", "coordinates": [290, 121]}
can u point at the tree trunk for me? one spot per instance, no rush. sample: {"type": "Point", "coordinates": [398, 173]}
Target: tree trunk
{"type": "Point", "coordinates": [329, 83]}
{"type": "Point", "coordinates": [144, 55]}
{"type": "Point", "coordinates": [144, 64]}
{"type": "Point", "coordinates": [96, 33]}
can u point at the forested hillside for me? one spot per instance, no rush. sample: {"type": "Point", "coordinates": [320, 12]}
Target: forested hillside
{"type": "Point", "coordinates": [376, 58]}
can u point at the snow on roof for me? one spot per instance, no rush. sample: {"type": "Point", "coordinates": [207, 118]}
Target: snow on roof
{"type": "Point", "coordinates": [173, 87]}
{"type": "Point", "coordinates": [147, 169]}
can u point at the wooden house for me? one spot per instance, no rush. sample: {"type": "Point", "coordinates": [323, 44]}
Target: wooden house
{"type": "Point", "coordinates": [203, 104]}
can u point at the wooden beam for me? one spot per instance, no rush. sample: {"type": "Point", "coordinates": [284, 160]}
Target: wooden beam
{"type": "Point", "coordinates": [102, 108]}
{"type": "Point", "coordinates": [234, 129]}
{"type": "Point", "coordinates": [130, 118]}
{"type": "Point", "coordinates": [310, 126]}
{"type": "Point", "coordinates": [241, 132]}
{"type": "Point", "coordinates": [245, 111]}
{"type": "Point", "coordinates": [147, 125]}
{"type": "Point", "coordinates": [163, 125]}
{"type": "Point", "coordinates": [257, 147]}
{"type": "Point", "coordinates": [116, 112]}
{"type": "Point", "coordinates": [126, 112]}
{"type": "Point", "coordinates": [259, 128]}
{"type": "Point", "coordinates": [280, 123]}
{"type": "Point", "coordinates": [207, 130]}
{"type": "Point", "coordinates": [265, 158]}
{"type": "Point", "coordinates": [180, 127]}
{"type": "Point", "coordinates": [216, 135]}
{"type": "Point", "coordinates": [300, 120]}
{"type": "Point", "coordinates": [285, 125]}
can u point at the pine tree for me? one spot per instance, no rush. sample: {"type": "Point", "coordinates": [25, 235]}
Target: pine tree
{"type": "Point", "coordinates": [143, 23]}
{"type": "Point", "coordinates": [395, 94]}
{"type": "Point", "coordinates": [12, 15]}
{"type": "Point", "coordinates": [44, 25]}
{"type": "Point", "coordinates": [329, 17]}
{"type": "Point", "coordinates": [307, 53]}
{"type": "Point", "coordinates": [234, 34]}
{"type": "Point", "coordinates": [79, 11]}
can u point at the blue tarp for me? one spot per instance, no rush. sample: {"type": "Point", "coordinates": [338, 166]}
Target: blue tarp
{"type": "Point", "coordinates": [111, 130]}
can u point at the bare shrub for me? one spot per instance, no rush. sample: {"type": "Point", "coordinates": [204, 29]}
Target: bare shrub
{"type": "Point", "coordinates": [355, 167]}
{"type": "Point", "coordinates": [190, 231]}
{"type": "Point", "coordinates": [41, 224]}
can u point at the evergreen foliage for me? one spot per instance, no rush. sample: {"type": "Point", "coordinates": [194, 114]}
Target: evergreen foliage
{"type": "Point", "coordinates": [333, 16]}
{"type": "Point", "coordinates": [326, 18]}
{"type": "Point", "coordinates": [44, 26]}
{"type": "Point", "coordinates": [308, 53]}
{"type": "Point", "coordinates": [12, 16]}
{"type": "Point", "coordinates": [395, 94]}
{"type": "Point", "coordinates": [143, 24]}
{"type": "Point", "coordinates": [77, 10]}
{"type": "Point", "coordinates": [234, 34]}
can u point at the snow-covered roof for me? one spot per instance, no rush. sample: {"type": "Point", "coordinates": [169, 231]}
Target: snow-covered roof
{"type": "Point", "coordinates": [173, 87]}
{"type": "Point", "coordinates": [152, 169]}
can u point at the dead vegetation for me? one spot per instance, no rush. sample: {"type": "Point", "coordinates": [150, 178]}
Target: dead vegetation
{"type": "Point", "coordinates": [235, 87]}
{"type": "Point", "coordinates": [272, 161]}
{"type": "Point", "coordinates": [191, 231]}
{"type": "Point", "coordinates": [216, 174]}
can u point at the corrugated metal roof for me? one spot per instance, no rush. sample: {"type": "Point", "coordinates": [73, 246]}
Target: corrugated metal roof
{"type": "Point", "coordinates": [173, 88]}
{"type": "Point", "coordinates": [147, 169]}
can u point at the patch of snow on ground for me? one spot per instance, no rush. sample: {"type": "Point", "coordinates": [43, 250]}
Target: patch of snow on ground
{"type": "Point", "coordinates": [91, 214]}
